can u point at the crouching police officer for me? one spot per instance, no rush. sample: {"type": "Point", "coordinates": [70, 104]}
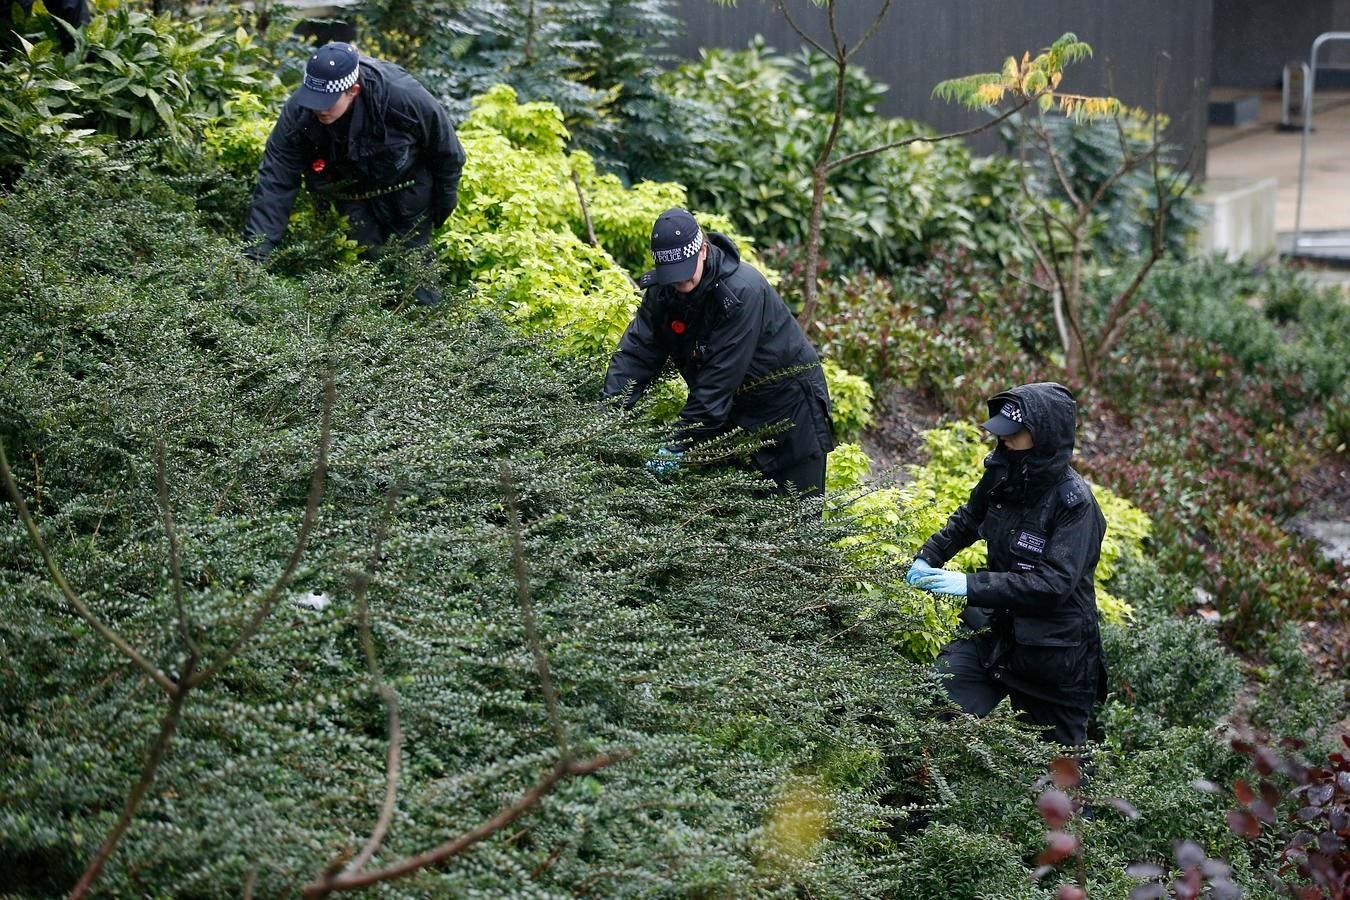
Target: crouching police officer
{"type": "Point", "coordinates": [367, 139]}
{"type": "Point", "coordinates": [737, 346]}
{"type": "Point", "coordinates": [1042, 647]}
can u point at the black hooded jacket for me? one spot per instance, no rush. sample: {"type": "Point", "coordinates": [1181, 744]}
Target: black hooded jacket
{"type": "Point", "coordinates": [396, 133]}
{"type": "Point", "coordinates": [743, 355]}
{"type": "Point", "coordinates": [1044, 533]}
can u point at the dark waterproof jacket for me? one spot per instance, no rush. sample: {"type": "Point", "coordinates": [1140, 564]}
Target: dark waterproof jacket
{"type": "Point", "coordinates": [396, 134]}
{"type": "Point", "coordinates": [1044, 532]}
{"type": "Point", "coordinates": [743, 355]}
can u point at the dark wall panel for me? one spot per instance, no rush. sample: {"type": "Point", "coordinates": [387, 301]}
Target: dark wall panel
{"type": "Point", "coordinates": [925, 41]}
{"type": "Point", "coordinates": [1253, 39]}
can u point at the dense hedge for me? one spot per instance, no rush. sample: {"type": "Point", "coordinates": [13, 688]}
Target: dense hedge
{"type": "Point", "coordinates": [121, 344]}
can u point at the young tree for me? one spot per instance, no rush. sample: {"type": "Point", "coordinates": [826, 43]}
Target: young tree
{"type": "Point", "coordinates": [1021, 83]}
{"type": "Point", "coordinates": [1121, 203]}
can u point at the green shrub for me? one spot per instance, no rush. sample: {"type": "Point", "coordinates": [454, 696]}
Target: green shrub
{"type": "Point", "coordinates": [518, 231]}
{"type": "Point", "coordinates": [1165, 783]}
{"type": "Point", "coordinates": [850, 398]}
{"type": "Point", "coordinates": [883, 534]}
{"type": "Point", "coordinates": [1276, 321]}
{"type": "Point", "coordinates": [1173, 669]}
{"type": "Point", "coordinates": [945, 861]}
{"type": "Point", "coordinates": [1294, 700]}
{"type": "Point", "coordinates": [881, 212]}
{"type": "Point", "coordinates": [725, 637]}
{"type": "Point", "coordinates": [1215, 458]}
{"type": "Point", "coordinates": [129, 74]}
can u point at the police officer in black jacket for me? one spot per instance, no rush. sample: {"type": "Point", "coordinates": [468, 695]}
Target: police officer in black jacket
{"type": "Point", "coordinates": [738, 347]}
{"type": "Point", "coordinates": [369, 140]}
{"type": "Point", "coordinates": [1041, 647]}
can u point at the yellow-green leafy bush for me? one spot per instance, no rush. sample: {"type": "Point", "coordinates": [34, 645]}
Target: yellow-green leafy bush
{"type": "Point", "coordinates": [520, 234]}
{"type": "Point", "coordinates": [886, 534]}
{"type": "Point", "coordinates": [851, 397]}
{"type": "Point", "coordinates": [956, 453]}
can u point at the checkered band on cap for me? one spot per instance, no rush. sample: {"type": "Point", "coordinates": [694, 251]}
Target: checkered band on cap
{"type": "Point", "coordinates": [1012, 411]}
{"type": "Point", "coordinates": [679, 254]}
{"type": "Point", "coordinates": [333, 86]}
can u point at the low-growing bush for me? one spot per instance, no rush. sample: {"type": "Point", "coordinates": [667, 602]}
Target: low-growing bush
{"type": "Point", "coordinates": [1172, 669]}
{"type": "Point", "coordinates": [1275, 321]}
{"type": "Point", "coordinates": [1215, 460]}
{"type": "Point", "coordinates": [725, 638]}
{"type": "Point", "coordinates": [946, 861]}
{"type": "Point", "coordinates": [1293, 699]}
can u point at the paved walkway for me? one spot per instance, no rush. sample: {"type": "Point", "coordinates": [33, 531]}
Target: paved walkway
{"type": "Point", "coordinates": [1261, 150]}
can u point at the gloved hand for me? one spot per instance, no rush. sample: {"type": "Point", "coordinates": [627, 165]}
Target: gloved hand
{"type": "Point", "coordinates": [667, 462]}
{"type": "Point", "coordinates": [943, 581]}
{"type": "Point", "coordinates": [918, 570]}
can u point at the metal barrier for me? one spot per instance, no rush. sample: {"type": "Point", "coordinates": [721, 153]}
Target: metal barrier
{"type": "Point", "coordinates": [1287, 94]}
{"type": "Point", "coordinates": [1309, 86]}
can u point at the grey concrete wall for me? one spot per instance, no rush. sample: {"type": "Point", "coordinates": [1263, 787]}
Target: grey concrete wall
{"type": "Point", "coordinates": [923, 42]}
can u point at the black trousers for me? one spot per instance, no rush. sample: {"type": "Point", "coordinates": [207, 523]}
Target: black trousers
{"type": "Point", "coordinates": [977, 688]}
{"type": "Point", "coordinates": [805, 475]}
{"type": "Point", "coordinates": [375, 222]}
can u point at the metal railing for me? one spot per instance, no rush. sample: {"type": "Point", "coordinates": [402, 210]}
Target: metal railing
{"type": "Point", "coordinates": [1309, 86]}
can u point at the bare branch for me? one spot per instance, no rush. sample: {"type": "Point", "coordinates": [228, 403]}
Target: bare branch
{"type": "Point", "coordinates": [840, 53]}
{"type": "Point", "coordinates": [585, 211]}
{"type": "Point", "coordinates": [130, 652]}
{"type": "Point", "coordinates": [527, 614]}
{"type": "Point", "coordinates": [1057, 165]}
{"type": "Point", "coordinates": [871, 30]}
{"type": "Point", "coordinates": [457, 845]}
{"type": "Point", "coordinates": [590, 227]}
{"type": "Point", "coordinates": [167, 724]}
{"type": "Point", "coordinates": [175, 551]}
{"type": "Point", "coordinates": [394, 758]}
{"type": "Point", "coordinates": [792, 23]}
{"type": "Point", "coordinates": [283, 581]}
{"type": "Point", "coordinates": [925, 139]}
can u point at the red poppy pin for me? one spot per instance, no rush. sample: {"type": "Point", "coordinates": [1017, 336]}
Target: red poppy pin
{"type": "Point", "coordinates": [677, 326]}
{"type": "Point", "coordinates": [318, 166]}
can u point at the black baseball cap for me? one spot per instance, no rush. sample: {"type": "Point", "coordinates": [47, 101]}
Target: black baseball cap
{"type": "Point", "coordinates": [676, 241]}
{"type": "Point", "coordinates": [1007, 420]}
{"type": "Point", "coordinates": [331, 70]}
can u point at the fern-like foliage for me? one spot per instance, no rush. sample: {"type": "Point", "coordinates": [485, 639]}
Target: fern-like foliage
{"type": "Point", "coordinates": [1031, 80]}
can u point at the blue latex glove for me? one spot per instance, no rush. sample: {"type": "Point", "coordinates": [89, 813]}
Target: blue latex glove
{"type": "Point", "coordinates": [944, 582]}
{"type": "Point", "coordinates": [918, 570]}
{"type": "Point", "coordinates": [667, 462]}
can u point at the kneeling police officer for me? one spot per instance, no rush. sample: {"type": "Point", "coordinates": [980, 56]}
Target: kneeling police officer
{"type": "Point", "coordinates": [1035, 606]}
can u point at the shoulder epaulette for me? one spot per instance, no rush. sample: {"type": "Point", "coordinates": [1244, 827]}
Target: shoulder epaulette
{"type": "Point", "coordinates": [729, 298]}
{"type": "Point", "coordinates": [647, 279]}
{"type": "Point", "coordinates": [1073, 492]}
